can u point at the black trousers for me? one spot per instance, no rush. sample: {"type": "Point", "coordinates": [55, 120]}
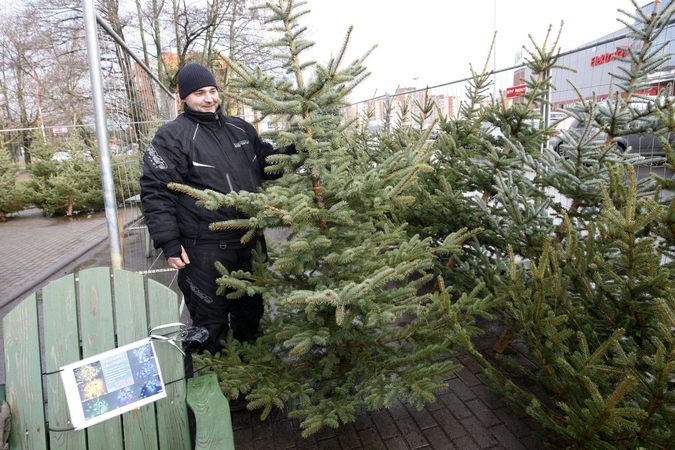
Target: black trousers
{"type": "Point", "coordinates": [217, 313]}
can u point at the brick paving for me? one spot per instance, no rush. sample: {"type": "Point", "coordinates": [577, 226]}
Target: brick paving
{"type": "Point", "coordinates": [467, 415]}
{"type": "Point", "coordinates": [33, 247]}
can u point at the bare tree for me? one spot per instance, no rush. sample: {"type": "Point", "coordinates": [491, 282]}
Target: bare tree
{"type": "Point", "coordinates": [141, 31]}
{"type": "Point", "coordinates": [62, 71]}
{"type": "Point", "coordinates": [43, 50]}
{"type": "Point", "coordinates": [19, 90]}
{"type": "Point", "coordinates": [58, 57]}
{"type": "Point", "coordinates": [157, 8]}
{"type": "Point", "coordinates": [202, 26]}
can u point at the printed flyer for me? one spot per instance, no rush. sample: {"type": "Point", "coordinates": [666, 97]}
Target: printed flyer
{"type": "Point", "coordinates": [111, 383]}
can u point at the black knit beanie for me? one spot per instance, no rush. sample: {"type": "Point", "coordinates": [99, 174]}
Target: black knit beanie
{"type": "Point", "coordinates": [192, 77]}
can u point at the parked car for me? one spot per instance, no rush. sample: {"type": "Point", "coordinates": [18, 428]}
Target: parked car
{"type": "Point", "coordinates": [492, 130]}
{"type": "Point", "coordinates": [554, 116]}
{"type": "Point", "coordinates": [62, 156]}
{"type": "Point", "coordinates": [646, 145]}
{"type": "Point", "coordinates": [67, 156]}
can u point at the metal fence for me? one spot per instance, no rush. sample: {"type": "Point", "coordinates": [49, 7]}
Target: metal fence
{"type": "Point", "coordinates": [136, 105]}
{"type": "Point", "coordinates": [587, 71]}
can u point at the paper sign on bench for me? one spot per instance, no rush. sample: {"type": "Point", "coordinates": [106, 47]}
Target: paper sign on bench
{"type": "Point", "coordinates": [109, 384]}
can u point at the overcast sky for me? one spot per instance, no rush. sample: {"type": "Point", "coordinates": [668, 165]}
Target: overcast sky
{"type": "Point", "coordinates": [429, 42]}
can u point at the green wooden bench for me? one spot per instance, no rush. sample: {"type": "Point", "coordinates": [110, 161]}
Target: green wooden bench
{"type": "Point", "coordinates": [84, 316]}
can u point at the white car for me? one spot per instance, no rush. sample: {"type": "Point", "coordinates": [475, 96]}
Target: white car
{"type": "Point", "coordinates": [67, 156]}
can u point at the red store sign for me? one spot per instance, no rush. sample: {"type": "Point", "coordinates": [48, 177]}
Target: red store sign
{"type": "Point", "coordinates": [607, 57]}
{"type": "Point", "coordinates": [516, 90]}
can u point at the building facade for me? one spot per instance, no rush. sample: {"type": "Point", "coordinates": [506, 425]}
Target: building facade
{"type": "Point", "coordinates": [596, 66]}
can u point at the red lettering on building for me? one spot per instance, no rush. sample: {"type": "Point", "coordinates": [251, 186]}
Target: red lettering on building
{"type": "Point", "coordinates": [607, 57]}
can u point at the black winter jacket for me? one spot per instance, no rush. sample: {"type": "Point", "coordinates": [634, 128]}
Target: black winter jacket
{"type": "Point", "coordinates": [205, 151]}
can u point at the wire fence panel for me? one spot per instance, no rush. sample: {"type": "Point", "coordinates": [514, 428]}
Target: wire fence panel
{"type": "Point", "coordinates": [586, 73]}
{"type": "Point", "coordinates": [136, 105]}
{"type": "Point", "coordinates": [447, 98]}
{"type": "Point", "coordinates": [138, 254]}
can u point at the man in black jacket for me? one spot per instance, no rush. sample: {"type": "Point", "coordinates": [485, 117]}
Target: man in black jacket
{"type": "Point", "coordinates": [204, 149]}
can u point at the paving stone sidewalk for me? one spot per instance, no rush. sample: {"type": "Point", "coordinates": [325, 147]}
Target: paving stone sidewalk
{"type": "Point", "coordinates": [33, 247]}
{"type": "Point", "coordinates": [468, 415]}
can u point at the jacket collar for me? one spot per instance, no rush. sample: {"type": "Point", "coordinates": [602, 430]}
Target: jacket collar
{"type": "Point", "coordinates": [210, 119]}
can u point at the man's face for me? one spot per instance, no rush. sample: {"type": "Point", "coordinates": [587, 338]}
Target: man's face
{"type": "Point", "coordinates": [203, 100]}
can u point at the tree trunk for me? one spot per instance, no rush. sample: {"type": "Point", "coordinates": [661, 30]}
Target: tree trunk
{"type": "Point", "coordinates": [141, 30]}
{"type": "Point", "coordinates": [179, 40]}
{"type": "Point", "coordinates": [161, 68]}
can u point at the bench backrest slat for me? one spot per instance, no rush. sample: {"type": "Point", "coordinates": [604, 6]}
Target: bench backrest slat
{"type": "Point", "coordinates": [206, 400]}
{"type": "Point", "coordinates": [140, 428]}
{"type": "Point", "coordinates": [62, 346]}
{"type": "Point", "coordinates": [98, 336]}
{"type": "Point", "coordinates": [172, 414]}
{"type": "Point", "coordinates": [23, 376]}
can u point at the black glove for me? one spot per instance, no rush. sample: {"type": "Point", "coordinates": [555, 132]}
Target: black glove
{"type": "Point", "coordinates": [194, 339]}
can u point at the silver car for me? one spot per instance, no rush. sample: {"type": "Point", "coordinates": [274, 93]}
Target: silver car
{"type": "Point", "coordinates": [646, 145]}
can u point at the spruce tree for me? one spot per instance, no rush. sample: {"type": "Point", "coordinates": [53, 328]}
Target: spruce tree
{"type": "Point", "coordinates": [576, 249]}
{"type": "Point", "coordinates": [349, 324]}
{"type": "Point", "coordinates": [11, 192]}
{"type": "Point", "coordinates": [67, 184]}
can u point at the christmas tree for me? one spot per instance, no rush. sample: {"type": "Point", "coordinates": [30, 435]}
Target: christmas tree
{"type": "Point", "coordinates": [350, 324]}
{"type": "Point", "coordinates": [11, 192]}
{"type": "Point", "coordinates": [64, 178]}
{"type": "Point", "coordinates": [576, 249]}
{"type": "Point", "coordinates": [584, 276]}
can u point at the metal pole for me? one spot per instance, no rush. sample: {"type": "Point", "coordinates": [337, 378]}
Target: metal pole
{"type": "Point", "coordinates": [494, 55]}
{"type": "Point", "coordinates": [388, 112]}
{"type": "Point", "coordinates": [102, 133]}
